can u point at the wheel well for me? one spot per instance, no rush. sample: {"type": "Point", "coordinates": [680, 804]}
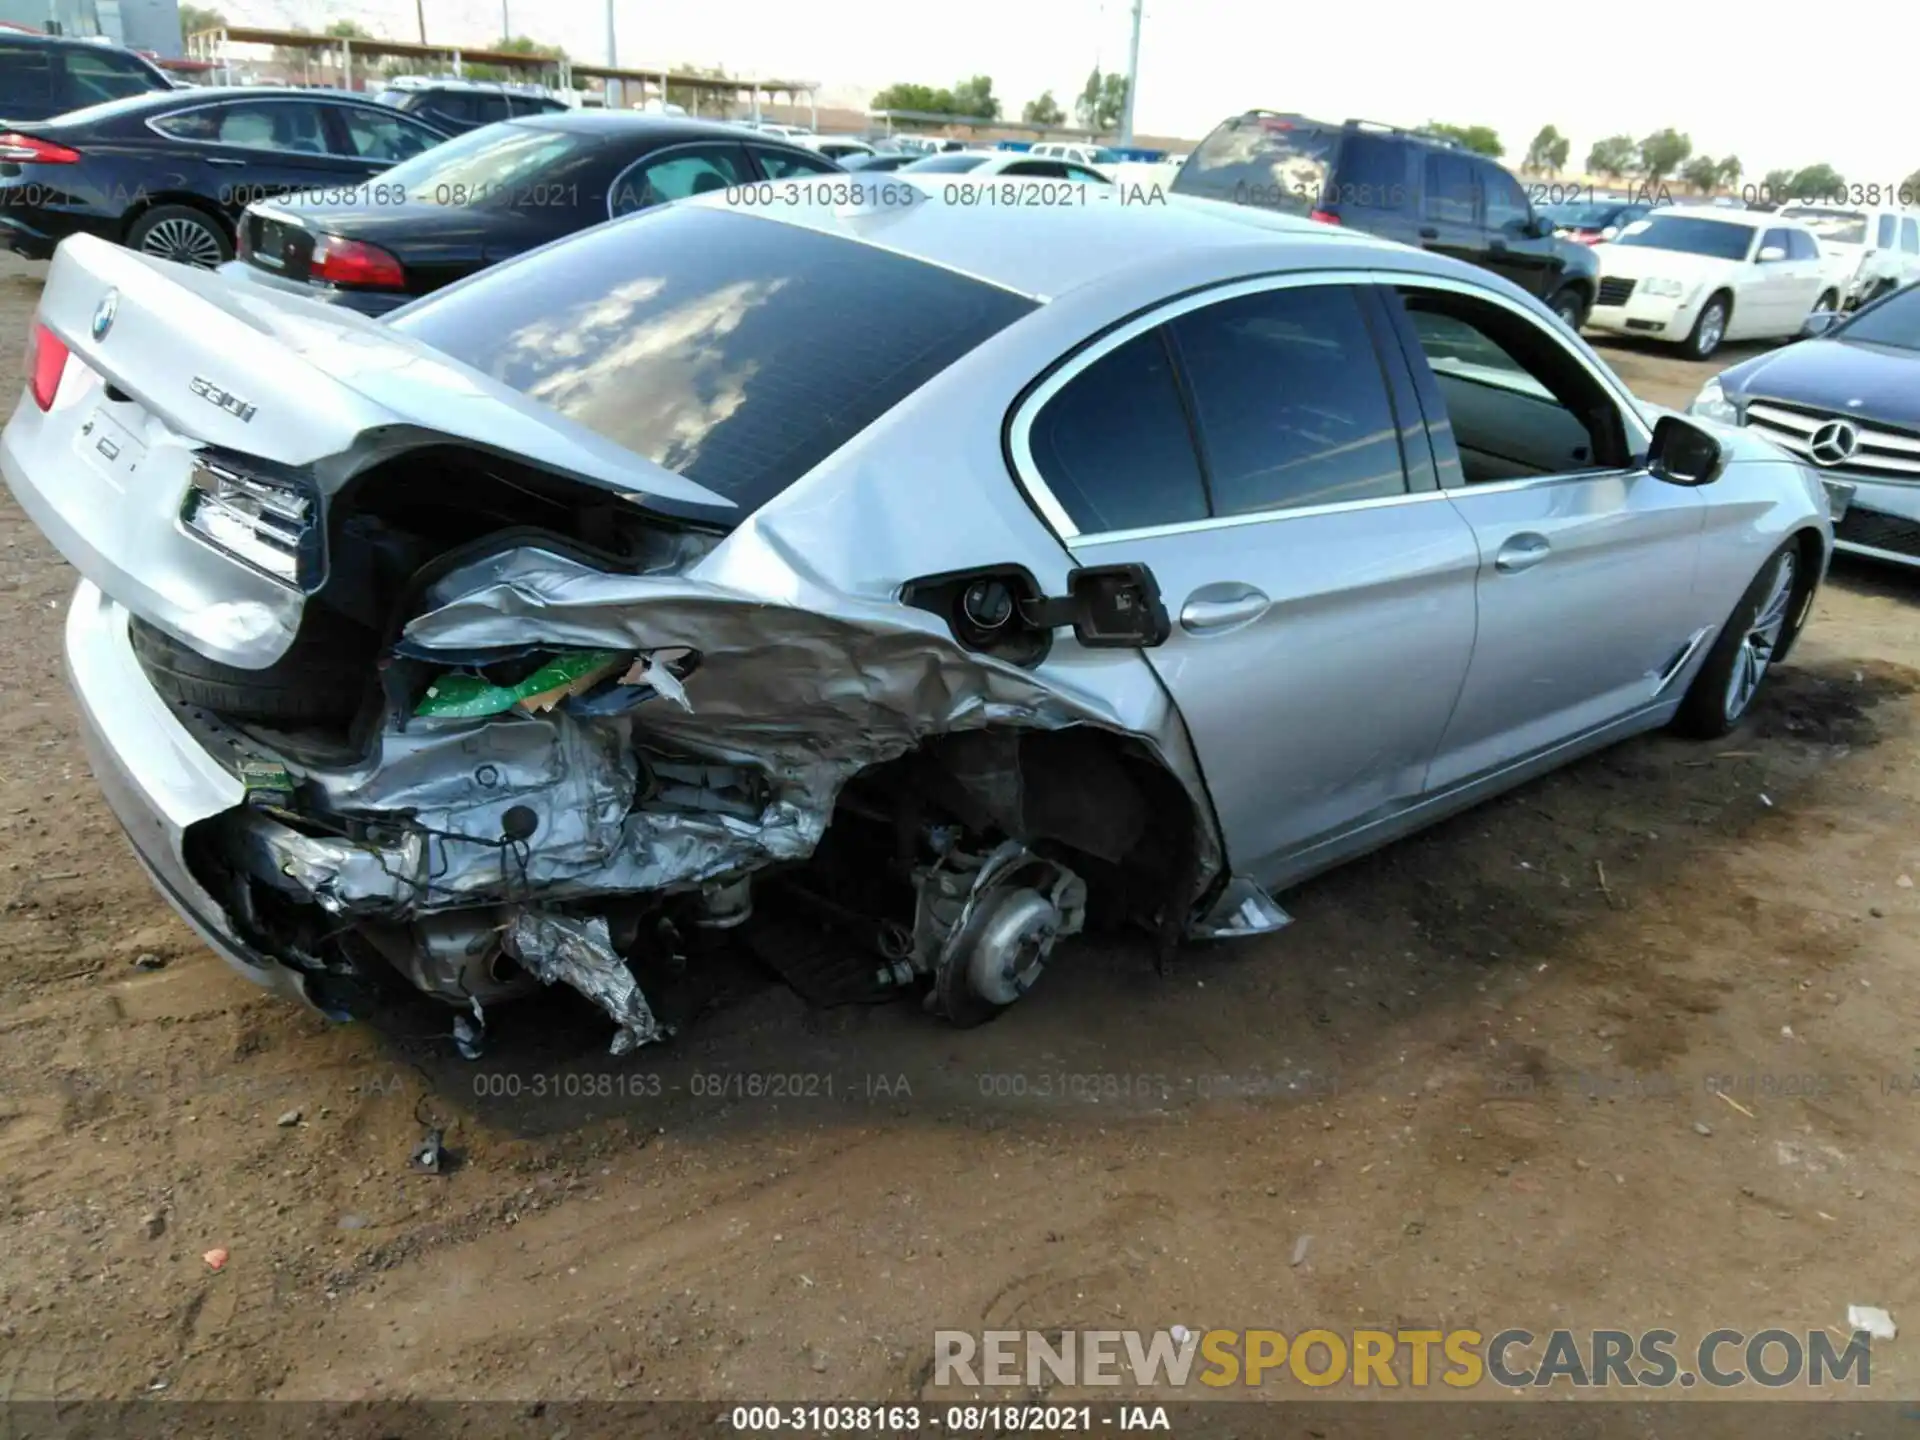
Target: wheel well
{"type": "Point", "coordinates": [168, 197]}
{"type": "Point", "coordinates": [1722, 294]}
{"type": "Point", "coordinates": [1580, 284]}
{"type": "Point", "coordinates": [1098, 802]}
{"type": "Point", "coordinates": [1813, 556]}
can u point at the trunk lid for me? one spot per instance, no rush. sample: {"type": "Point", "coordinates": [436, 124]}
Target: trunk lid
{"type": "Point", "coordinates": [171, 367]}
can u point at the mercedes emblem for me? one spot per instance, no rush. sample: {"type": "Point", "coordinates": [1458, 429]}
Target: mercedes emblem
{"type": "Point", "coordinates": [1834, 442]}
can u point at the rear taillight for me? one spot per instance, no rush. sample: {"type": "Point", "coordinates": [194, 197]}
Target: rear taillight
{"type": "Point", "coordinates": [1325, 217]}
{"type": "Point", "coordinates": [26, 150]}
{"type": "Point", "coordinates": [354, 262]}
{"type": "Point", "coordinates": [243, 239]}
{"type": "Point", "coordinates": [46, 363]}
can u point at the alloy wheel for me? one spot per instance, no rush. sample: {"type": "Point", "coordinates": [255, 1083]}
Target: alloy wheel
{"type": "Point", "coordinates": [186, 242]}
{"type": "Point", "coordinates": [1713, 326]}
{"type": "Point", "coordinates": [1762, 640]}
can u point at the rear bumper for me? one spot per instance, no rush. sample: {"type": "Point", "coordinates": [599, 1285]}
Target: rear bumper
{"type": "Point", "coordinates": [361, 302]}
{"type": "Point", "coordinates": [156, 778]}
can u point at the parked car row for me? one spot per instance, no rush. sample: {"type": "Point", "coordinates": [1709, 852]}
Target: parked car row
{"type": "Point", "coordinates": [712, 572]}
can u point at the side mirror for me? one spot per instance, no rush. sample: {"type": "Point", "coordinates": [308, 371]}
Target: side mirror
{"type": "Point", "coordinates": [1770, 253]}
{"type": "Point", "coordinates": [1819, 323]}
{"type": "Point", "coordinates": [1539, 227]}
{"type": "Point", "coordinates": [1683, 453]}
{"type": "Point", "coordinates": [1110, 607]}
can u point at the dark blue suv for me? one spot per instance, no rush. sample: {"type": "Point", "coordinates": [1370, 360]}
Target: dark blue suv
{"type": "Point", "coordinates": [45, 75]}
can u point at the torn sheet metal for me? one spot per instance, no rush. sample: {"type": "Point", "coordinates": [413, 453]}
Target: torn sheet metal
{"type": "Point", "coordinates": [563, 949]}
{"type": "Point", "coordinates": [503, 808]}
{"type": "Point", "coordinates": [1242, 909]}
{"type": "Point", "coordinates": [810, 696]}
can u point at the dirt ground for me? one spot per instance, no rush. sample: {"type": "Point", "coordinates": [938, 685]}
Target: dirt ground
{"type": "Point", "coordinates": [1407, 1076]}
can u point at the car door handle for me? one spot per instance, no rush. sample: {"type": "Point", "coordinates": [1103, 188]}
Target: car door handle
{"type": "Point", "coordinates": [1213, 608]}
{"type": "Point", "coordinates": [225, 160]}
{"type": "Point", "coordinates": [1427, 232]}
{"type": "Point", "coordinates": [1521, 552]}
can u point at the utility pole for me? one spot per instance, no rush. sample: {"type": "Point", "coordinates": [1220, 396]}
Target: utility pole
{"type": "Point", "coordinates": [1133, 77]}
{"type": "Point", "coordinates": [616, 92]}
{"type": "Point", "coordinates": [420, 14]}
{"type": "Point", "coordinates": [506, 25]}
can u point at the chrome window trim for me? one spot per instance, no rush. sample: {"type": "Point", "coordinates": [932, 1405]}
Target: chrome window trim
{"type": "Point", "coordinates": [708, 143]}
{"type": "Point", "coordinates": [153, 124]}
{"type": "Point", "coordinates": [1020, 429]}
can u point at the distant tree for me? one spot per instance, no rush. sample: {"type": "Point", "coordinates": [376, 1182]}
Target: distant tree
{"type": "Point", "coordinates": [1910, 190]}
{"type": "Point", "coordinates": [1730, 171]}
{"type": "Point", "coordinates": [907, 96]}
{"type": "Point", "coordinates": [1662, 154]}
{"type": "Point", "coordinates": [1614, 156]}
{"type": "Point", "coordinates": [1702, 172]}
{"type": "Point", "coordinates": [349, 30]}
{"type": "Point", "coordinates": [1776, 186]}
{"type": "Point", "coordinates": [1102, 99]}
{"type": "Point", "coordinates": [1043, 111]}
{"type": "Point", "coordinates": [975, 97]}
{"type": "Point", "coordinates": [195, 18]}
{"type": "Point", "coordinates": [1548, 152]}
{"type": "Point", "coordinates": [1481, 139]}
{"type": "Point", "coordinates": [513, 45]}
{"type": "Point", "coordinates": [1816, 182]}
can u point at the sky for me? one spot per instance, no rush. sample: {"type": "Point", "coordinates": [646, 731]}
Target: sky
{"type": "Point", "coordinates": [1732, 87]}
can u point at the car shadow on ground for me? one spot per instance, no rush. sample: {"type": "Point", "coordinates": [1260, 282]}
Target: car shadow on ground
{"type": "Point", "coordinates": [1574, 871]}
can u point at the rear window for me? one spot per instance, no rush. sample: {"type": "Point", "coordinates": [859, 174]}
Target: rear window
{"type": "Point", "coordinates": [1836, 227]}
{"type": "Point", "coordinates": [26, 78]}
{"type": "Point", "coordinates": [96, 76]}
{"type": "Point", "coordinates": [1262, 160]}
{"type": "Point", "coordinates": [733, 351]}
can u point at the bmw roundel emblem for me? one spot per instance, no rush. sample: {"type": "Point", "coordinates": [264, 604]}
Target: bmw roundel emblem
{"type": "Point", "coordinates": [104, 312]}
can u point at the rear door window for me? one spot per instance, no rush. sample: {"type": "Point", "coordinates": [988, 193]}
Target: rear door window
{"type": "Point", "coordinates": [489, 108]}
{"type": "Point", "coordinates": [683, 171]}
{"type": "Point", "coordinates": [1041, 169]}
{"type": "Point", "coordinates": [94, 76]}
{"type": "Point", "coordinates": [1290, 401]}
{"type": "Point", "coordinates": [1113, 446]}
{"type": "Point", "coordinates": [1267, 160]}
{"type": "Point", "coordinates": [26, 79]}
{"type": "Point", "coordinates": [390, 138]}
{"type": "Point", "coordinates": [1451, 198]}
{"type": "Point", "coordinates": [736, 353]}
{"type": "Point", "coordinates": [1506, 202]}
{"type": "Point", "coordinates": [1776, 240]}
{"type": "Point", "coordinates": [288, 126]}
{"type": "Point", "coordinates": [1883, 233]}
{"type": "Point", "coordinates": [1800, 246]}
{"type": "Point", "coordinates": [1910, 235]}
{"type": "Point", "coordinates": [786, 164]}
{"type": "Point", "coordinates": [1372, 174]}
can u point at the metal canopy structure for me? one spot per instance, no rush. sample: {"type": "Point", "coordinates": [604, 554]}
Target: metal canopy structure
{"type": "Point", "coordinates": [213, 46]}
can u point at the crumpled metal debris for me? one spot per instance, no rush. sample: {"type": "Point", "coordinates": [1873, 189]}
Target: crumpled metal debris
{"type": "Point", "coordinates": [579, 952]}
{"type": "Point", "coordinates": [802, 699]}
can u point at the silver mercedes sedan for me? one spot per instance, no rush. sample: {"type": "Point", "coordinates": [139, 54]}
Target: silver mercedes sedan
{"type": "Point", "coordinates": [891, 583]}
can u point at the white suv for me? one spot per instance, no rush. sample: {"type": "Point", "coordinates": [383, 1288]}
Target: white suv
{"type": "Point", "coordinates": [1096, 157]}
{"type": "Point", "coordinates": [1880, 245]}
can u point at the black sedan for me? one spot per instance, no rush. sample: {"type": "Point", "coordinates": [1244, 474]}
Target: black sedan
{"type": "Point", "coordinates": [1847, 400]}
{"type": "Point", "coordinates": [170, 173]}
{"type": "Point", "coordinates": [493, 193]}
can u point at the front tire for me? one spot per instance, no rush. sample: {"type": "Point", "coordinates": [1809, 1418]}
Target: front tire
{"type": "Point", "coordinates": [1570, 305]}
{"type": "Point", "coordinates": [1759, 629]}
{"type": "Point", "coordinates": [183, 235]}
{"type": "Point", "coordinates": [1709, 329]}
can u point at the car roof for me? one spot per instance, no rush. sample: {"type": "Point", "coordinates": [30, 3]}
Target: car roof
{"type": "Point", "coordinates": [64, 42]}
{"type": "Point", "coordinates": [194, 96]}
{"type": "Point", "coordinates": [640, 122]}
{"type": "Point", "coordinates": [1045, 251]}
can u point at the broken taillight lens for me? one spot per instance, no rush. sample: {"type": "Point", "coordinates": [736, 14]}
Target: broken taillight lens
{"type": "Point", "coordinates": [1325, 217]}
{"type": "Point", "coordinates": [265, 521]}
{"type": "Point", "coordinates": [354, 262]}
{"type": "Point", "coordinates": [27, 150]}
{"type": "Point", "coordinates": [46, 363]}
